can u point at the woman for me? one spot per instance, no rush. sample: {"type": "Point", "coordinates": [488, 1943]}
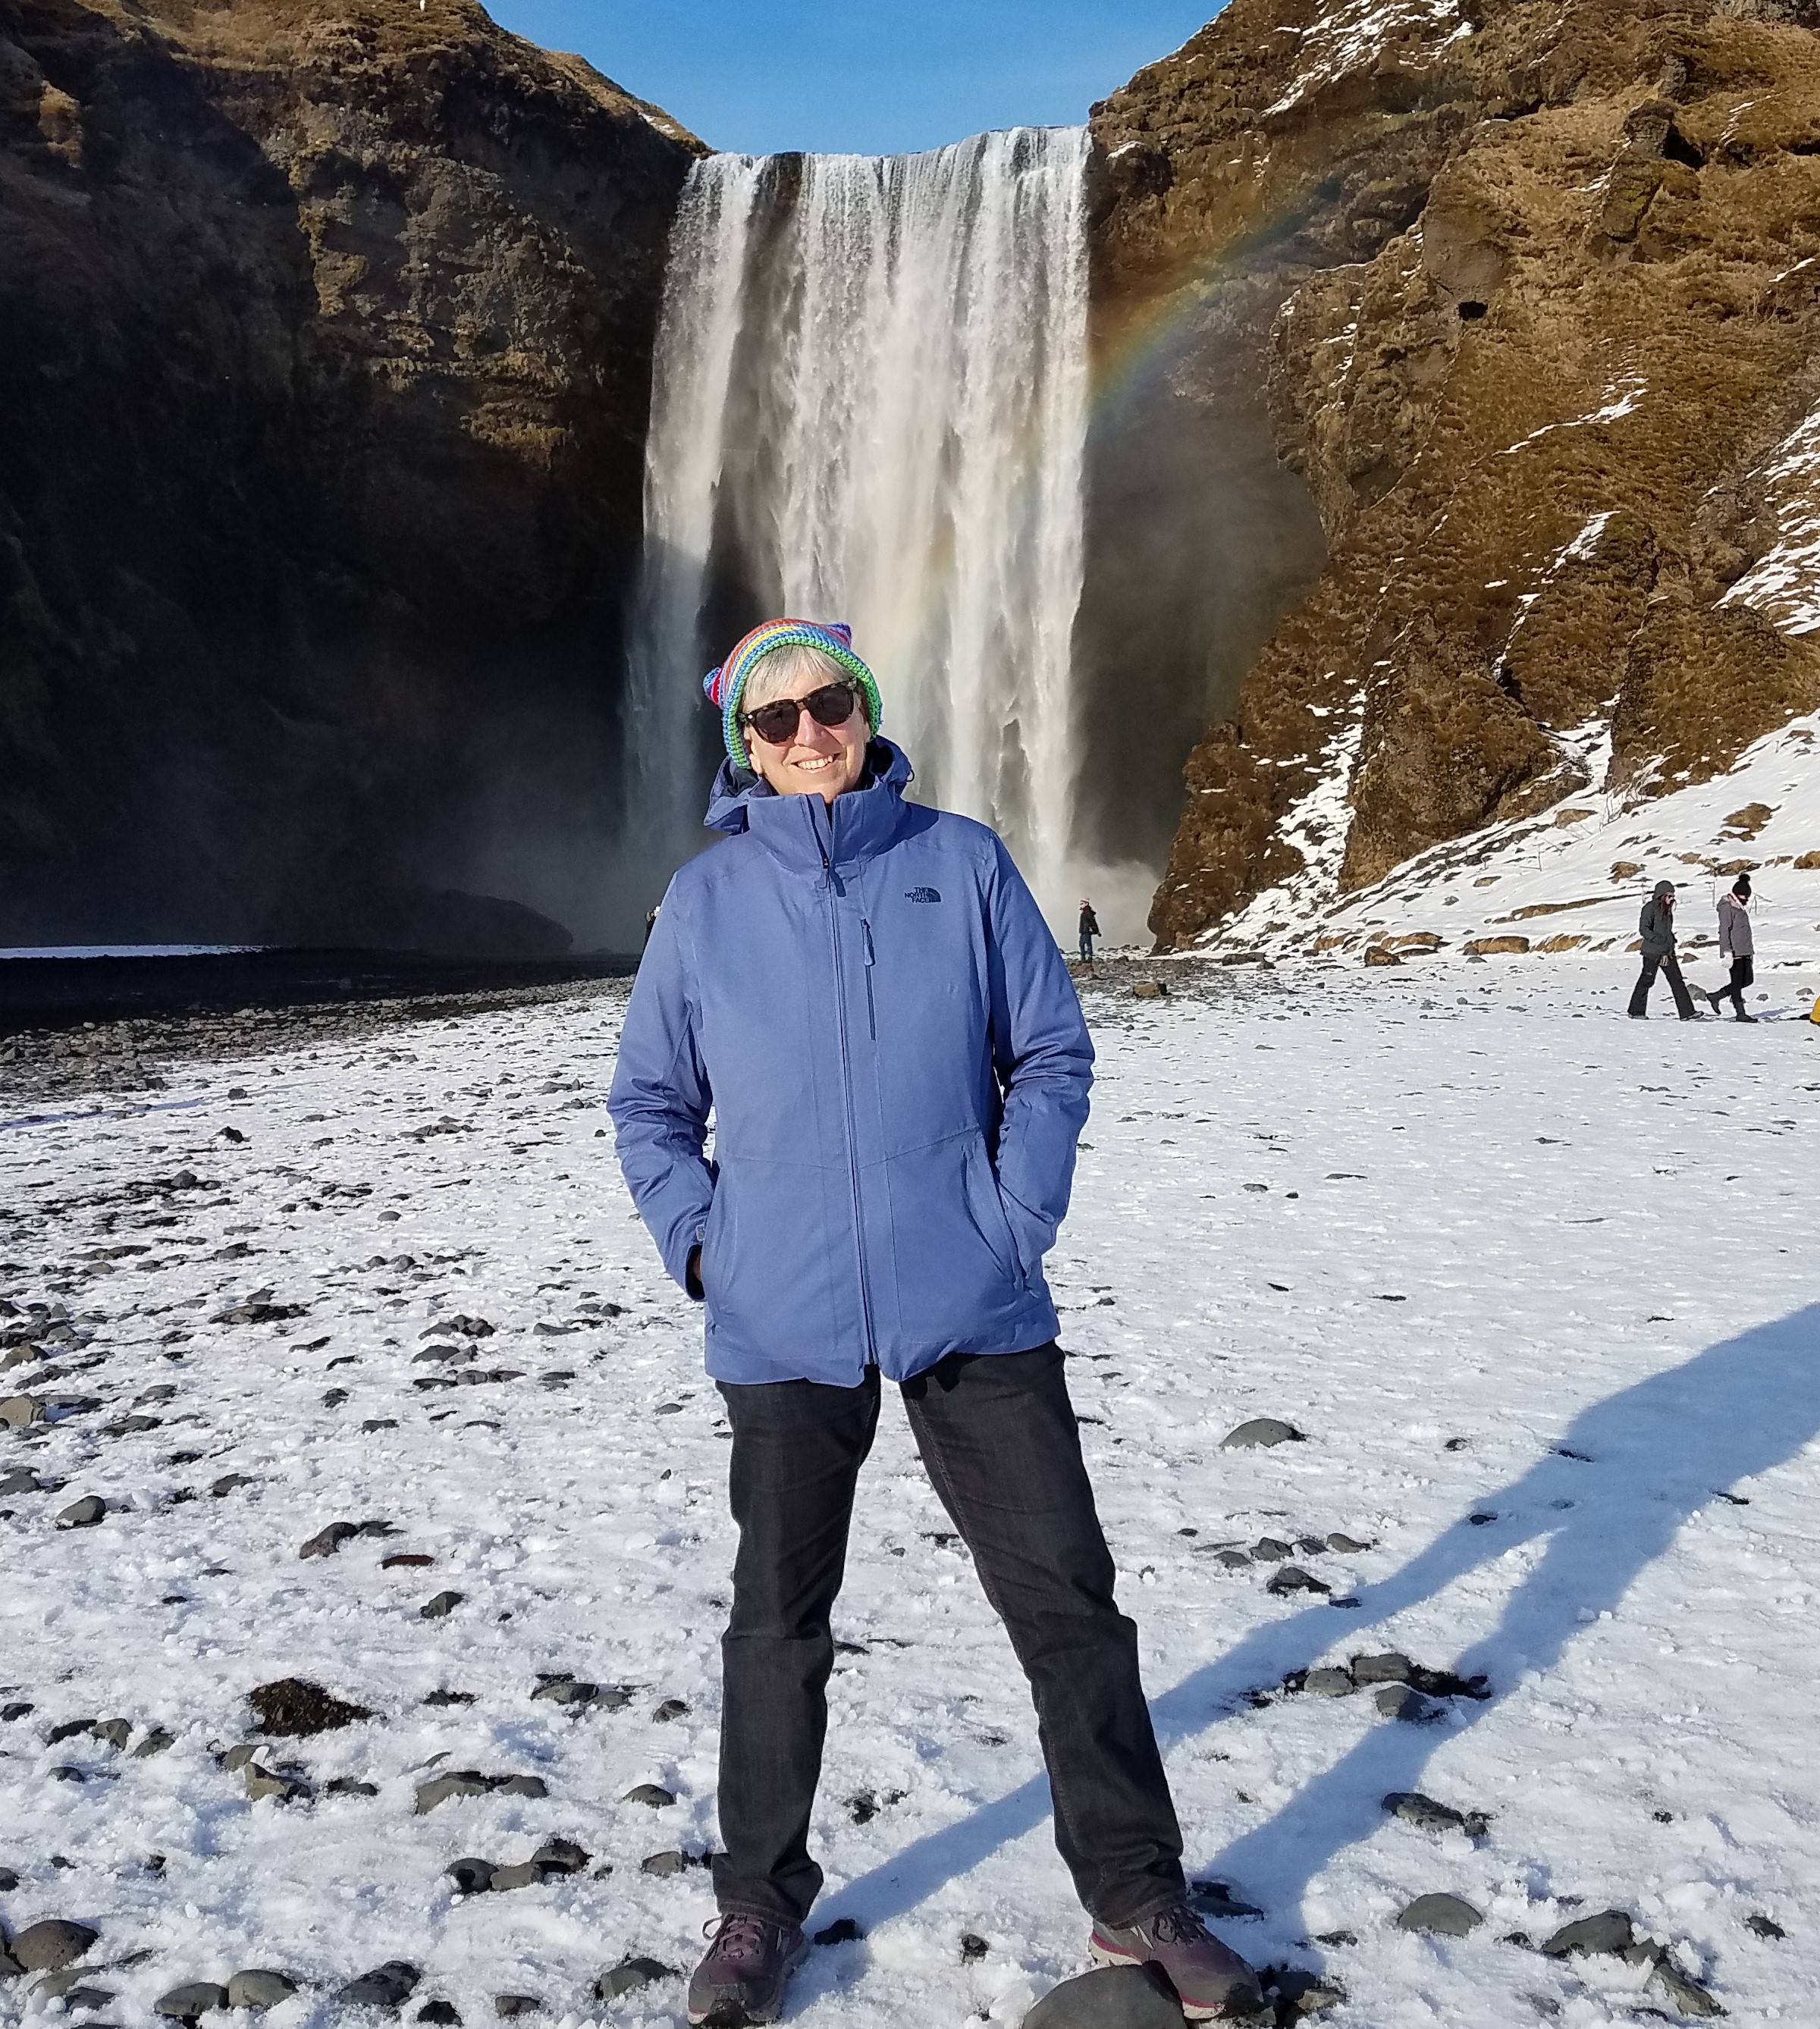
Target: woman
{"type": "Point", "coordinates": [1737, 948]}
{"type": "Point", "coordinates": [864, 992]}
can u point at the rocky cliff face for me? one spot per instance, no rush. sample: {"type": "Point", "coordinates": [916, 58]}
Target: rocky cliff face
{"type": "Point", "coordinates": [326, 329]}
{"type": "Point", "coordinates": [1531, 291]}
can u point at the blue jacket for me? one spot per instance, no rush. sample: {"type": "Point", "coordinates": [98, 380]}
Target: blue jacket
{"type": "Point", "coordinates": [867, 997]}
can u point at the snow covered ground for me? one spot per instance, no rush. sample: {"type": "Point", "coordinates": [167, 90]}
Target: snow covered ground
{"type": "Point", "coordinates": [1538, 1284]}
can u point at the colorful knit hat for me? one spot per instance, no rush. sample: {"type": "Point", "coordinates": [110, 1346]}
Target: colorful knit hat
{"type": "Point", "coordinates": [725, 686]}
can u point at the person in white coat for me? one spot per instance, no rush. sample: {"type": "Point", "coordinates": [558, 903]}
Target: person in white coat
{"type": "Point", "coordinates": [1737, 948]}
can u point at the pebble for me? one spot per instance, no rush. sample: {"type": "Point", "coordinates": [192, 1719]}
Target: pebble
{"type": "Point", "coordinates": [1685, 1993]}
{"type": "Point", "coordinates": [843, 1930]}
{"type": "Point", "coordinates": [1234, 1560]}
{"type": "Point", "coordinates": [649, 1794]}
{"type": "Point", "coordinates": [294, 1708]}
{"type": "Point", "coordinates": [507, 2006]}
{"type": "Point", "coordinates": [1270, 1550]}
{"type": "Point", "coordinates": [1765, 1926]}
{"type": "Point", "coordinates": [1113, 1998]}
{"type": "Point", "coordinates": [1217, 1898]}
{"type": "Point", "coordinates": [83, 1514]}
{"type": "Point", "coordinates": [471, 1876]}
{"type": "Point", "coordinates": [470, 1782]}
{"type": "Point", "coordinates": [9, 1881]}
{"type": "Point", "coordinates": [21, 1480]}
{"type": "Point", "coordinates": [196, 1998]}
{"type": "Point", "coordinates": [43, 1947]}
{"type": "Point", "coordinates": [1290, 1579]}
{"type": "Point", "coordinates": [1330, 1683]}
{"type": "Point", "coordinates": [227, 1483]}
{"type": "Point", "coordinates": [664, 1863]}
{"type": "Point", "coordinates": [628, 1974]}
{"type": "Point", "coordinates": [1389, 1669]}
{"type": "Point", "coordinates": [442, 2012]}
{"type": "Point", "coordinates": [522, 1874]}
{"type": "Point", "coordinates": [1444, 1916]}
{"type": "Point", "coordinates": [1609, 1932]}
{"type": "Point", "coordinates": [566, 1690]}
{"type": "Point", "coordinates": [86, 1999]}
{"type": "Point", "coordinates": [1347, 1546]}
{"type": "Point", "coordinates": [442, 1606]}
{"type": "Point", "coordinates": [257, 1986]}
{"type": "Point", "coordinates": [1399, 1702]}
{"type": "Point", "coordinates": [262, 1781]}
{"type": "Point", "coordinates": [16, 1411]}
{"type": "Point", "coordinates": [1262, 1430]}
{"type": "Point", "coordinates": [387, 1986]}
{"type": "Point", "coordinates": [561, 1855]}
{"type": "Point", "coordinates": [973, 1948]}
{"type": "Point", "coordinates": [1414, 1809]}
{"type": "Point", "coordinates": [115, 1732]}
{"type": "Point", "coordinates": [671, 1708]}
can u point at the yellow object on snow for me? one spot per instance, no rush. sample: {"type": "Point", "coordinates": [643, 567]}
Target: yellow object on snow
{"type": "Point", "coordinates": [1815, 1015]}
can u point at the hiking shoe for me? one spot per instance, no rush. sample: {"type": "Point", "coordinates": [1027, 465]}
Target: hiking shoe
{"type": "Point", "coordinates": [1743, 1017]}
{"type": "Point", "coordinates": [1212, 1983]}
{"type": "Point", "coordinates": [742, 1978]}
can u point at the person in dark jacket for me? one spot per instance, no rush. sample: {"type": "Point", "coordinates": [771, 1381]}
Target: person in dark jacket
{"type": "Point", "coordinates": [866, 995]}
{"type": "Point", "coordinates": [1090, 928]}
{"type": "Point", "coordinates": [1737, 948]}
{"type": "Point", "coordinates": [1657, 925]}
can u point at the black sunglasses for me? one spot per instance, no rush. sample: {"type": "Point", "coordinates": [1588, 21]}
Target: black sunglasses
{"type": "Point", "coordinates": [776, 722]}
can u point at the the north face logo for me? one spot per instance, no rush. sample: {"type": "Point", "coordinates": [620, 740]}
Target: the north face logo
{"type": "Point", "coordinates": [923, 894]}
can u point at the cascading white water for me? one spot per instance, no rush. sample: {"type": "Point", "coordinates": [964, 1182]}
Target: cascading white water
{"type": "Point", "coordinates": [870, 405]}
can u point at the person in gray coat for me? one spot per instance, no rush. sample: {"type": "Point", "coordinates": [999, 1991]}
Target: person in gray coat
{"type": "Point", "coordinates": [1737, 946]}
{"type": "Point", "coordinates": [1657, 925]}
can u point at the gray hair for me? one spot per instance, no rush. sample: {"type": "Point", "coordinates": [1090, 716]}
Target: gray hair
{"type": "Point", "coordinates": [780, 671]}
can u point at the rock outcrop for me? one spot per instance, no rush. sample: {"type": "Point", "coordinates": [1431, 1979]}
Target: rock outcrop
{"type": "Point", "coordinates": [325, 331]}
{"type": "Point", "coordinates": [1531, 289]}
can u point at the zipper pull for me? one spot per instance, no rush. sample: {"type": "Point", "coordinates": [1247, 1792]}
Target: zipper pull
{"type": "Point", "coordinates": [868, 928]}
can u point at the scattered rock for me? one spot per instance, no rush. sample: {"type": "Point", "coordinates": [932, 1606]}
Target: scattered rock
{"type": "Point", "coordinates": [350, 1785]}
{"type": "Point", "coordinates": [444, 2012]}
{"type": "Point", "coordinates": [1399, 1702]}
{"type": "Point", "coordinates": [1346, 1546]}
{"type": "Point", "coordinates": [83, 1514]}
{"type": "Point", "coordinates": [1234, 1559]}
{"type": "Point", "coordinates": [1113, 1998]}
{"type": "Point", "coordinates": [257, 1986]}
{"type": "Point", "coordinates": [1390, 1669]}
{"type": "Point", "coordinates": [1610, 1932]}
{"type": "Point", "coordinates": [1380, 954]}
{"type": "Point", "coordinates": [1217, 1898]}
{"type": "Point", "coordinates": [195, 1998]}
{"type": "Point", "coordinates": [471, 1877]}
{"type": "Point", "coordinates": [16, 1411]}
{"type": "Point", "coordinates": [459, 1782]}
{"type": "Point", "coordinates": [649, 1794]}
{"type": "Point", "coordinates": [1414, 1809]}
{"type": "Point", "coordinates": [229, 1480]}
{"type": "Point", "coordinates": [507, 2006]}
{"type": "Point", "coordinates": [1765, 1926]}
{"type": "Point", "coordinates": [561, 1855]}
{"type": "Point", "coordinates": [442, 1606]}
{"type": "Point", "coordinates": [671, 1708]}
{"type": "Point", "coordinates": [21, 1480]}
{"type": "Point", "coordinates": [1292, 1579]}
{"type": "Point", "coordinates": [156, 1741]}
{"type": "Point", "coordinates": [294, 1708]}
{"type": "Point", "coordinates": [669, 1863]}
{"type": "Point", "coordinates": [1149, 989]}
{"type": "Point", "coordinates": [325, 1542]}
{"type": "Point", "coordinates": [1261, 1431]}
{"type": "Point", "coordinates": [388, 1986]}
{"type": "Point", "coordinates": [628, 1974]}
{"type": "Point", "coordinates": [114, 1732]}
{"type": "Point", "coordinates": [1684, 1992]}
{"type": "Point", "coordinates": [973, 1948]}
{"type": "Point", "coordinates": [442, 1697]}
{"type": "Point", "coordinates": [566, 1690]}
{"type": "Point", "coordinates": [1442, 1915]}
{"type": "Point", "coordinates": [262, 1782]}
{"type": "Point", "coordinates": [1495, 946]}
{"type": "Point", "coordinates": [843, 1930]}
{"type": "Point", "coordinates": [1269, 1549]}
{"type": "Point", "coordinates": [1329, 1683]}
{"type": "Point", "coordinates": [54, 1942]}
{"type": "Point", "coordinates": [522, 1874]}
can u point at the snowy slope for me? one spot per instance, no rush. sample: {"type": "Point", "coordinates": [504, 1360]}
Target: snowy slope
{"type": "Point", "coordinates": [1579, 873]}
{"type": "Point", "coordinates": [1538, 1285]}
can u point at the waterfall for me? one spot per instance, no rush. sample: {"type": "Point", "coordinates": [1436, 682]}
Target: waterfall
{"type": "Point", "coordinates": [870, 405]}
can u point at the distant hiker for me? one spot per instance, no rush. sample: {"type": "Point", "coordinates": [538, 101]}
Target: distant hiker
{"type": "Point", "coordinates": [1089, 929]}
{"type": "Point", "coordinates": [650, 920]}
{"type": "Point", "coordinates": [864, 993]}
{"type": "Point", "coordinates": [1657, 925]}
{"type": "Point", "coordinates": [1737, 948]}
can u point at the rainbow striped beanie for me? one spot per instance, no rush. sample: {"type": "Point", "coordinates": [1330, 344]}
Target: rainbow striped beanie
{"type": "Point", "coordinates": [725, 686]}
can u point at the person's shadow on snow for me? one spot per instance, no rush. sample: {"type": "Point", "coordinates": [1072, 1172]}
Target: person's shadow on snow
{"type": "Point", "coordinates": [1608, 1497]}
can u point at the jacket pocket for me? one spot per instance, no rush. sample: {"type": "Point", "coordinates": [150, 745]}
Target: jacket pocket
{"type": "Point", "coordinates": [956, 1261]}
{"type": "Point", "coordinates": [771, 1255]}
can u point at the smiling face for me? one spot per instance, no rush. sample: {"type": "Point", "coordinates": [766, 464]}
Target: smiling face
{"type": "Point", "coordinates": [823, 761]}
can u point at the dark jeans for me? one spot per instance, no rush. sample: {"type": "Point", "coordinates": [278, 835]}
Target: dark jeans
{"type": "Point", "coordinates": [1671, 971]}
{"type": "Point", "coordinates": [1744, 975]}
{"type": "Point", "coordinates": [1087, 948]}
{"type": "Point", "coordinates": [999, 1442]}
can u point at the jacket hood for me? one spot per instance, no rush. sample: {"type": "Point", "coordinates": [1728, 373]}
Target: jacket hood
{"type": "Point", "coordinates": [736, 790]}
{"type": "Point", "coordinates": [1664, 888]}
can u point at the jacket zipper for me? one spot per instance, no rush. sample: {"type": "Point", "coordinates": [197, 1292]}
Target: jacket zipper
{"type": "Point", "coordinates": [871, 1011]}
{"type": "Point", "coordinates": [847, 1088]}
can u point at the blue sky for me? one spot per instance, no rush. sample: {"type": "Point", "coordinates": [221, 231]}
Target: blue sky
{"type": "Point", "coordinates": [761, 75]}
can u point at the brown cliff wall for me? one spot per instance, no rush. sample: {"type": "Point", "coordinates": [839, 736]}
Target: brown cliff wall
{"type": "Point", "coordinates": [1531, 289]}
{"type": "Point", "coordinates": [326, 329]}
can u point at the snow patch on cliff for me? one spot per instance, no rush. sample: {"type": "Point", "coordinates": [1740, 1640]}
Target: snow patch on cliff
{"type": "Point", "coordinates": [1784, 586]}
{"type": "Point", "coordinates": [1357, 32]}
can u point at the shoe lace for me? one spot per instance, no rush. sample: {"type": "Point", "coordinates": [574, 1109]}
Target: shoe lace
{"type": "Point", "coordinates": [1180, 1926]}
{"type": "Point", "coordinates": [735, 1937]}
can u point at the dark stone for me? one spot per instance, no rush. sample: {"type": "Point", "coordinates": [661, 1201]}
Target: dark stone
{"type": "Point", "coordinates": [649, 1794]}
{"type": "Point", "coordinates": [1261, 1431]}
{"type": "Point", "coordinates": [1217, 1898]}
{"type": "Point", "coordinates": [325, 1542]}
{"type": "Point", "coordinates": [561, 1855]}
{"type": "Point", "coordinates": [1270, 1550]}
{"type": "Point", "coordinates": [1234, 1560]}
{"type": "Point", "coordinates": [387, 1986]}
{"type": "Point", "coordinates": [197, 1997]}
{"type": "Point", "coordinates": [1347, 1546]}
{"type": "Point", "coordinates": [843, 1930]}
{"type": "Point", "coordinates": [350, 1785]}
{"type": "Point", "coordinates": [1445, 1915]}
{"type": "Point", "coordinates": [973, 1948]}
{"type": "Point", "coordinates": [447, 1697]}
{"type": "Point", "coordinates": [1292, 1578]}
{"type": "Point", "coordinates": [671, 1708]}
{"type": "Point", "coordinates": [442, 1606]}
{"type": "Point", "coordinates": [113, 1732]}
{"type": "Point", "coordinates": [566, 1690]}
{"type": "Point", "coordinates": [1414, 1809]}
{"type": "Point", "coordinates": [518, 1786]}
{"type": "Point", "coordinates": [294, 1708]}
{"type": "Point", "coordinates": [55, 1943]}
{"type": "Point", "coordinates": [262, 1782]}
{"type": "Point", "coordinates": [157, 1740]}
{"type": "Point", "coordinates": [21, 1480]}
{"type": "Point", "coordinates": [1113, 1998]}
{"type": "Point", "coordinates": [18, 1709]}
{"type": "Point", "coordinates": [444, 2012]}
{"type": "Point", "coordinates": [1683, 1992]}
{"type": "Point", "coordinates": [1329, 1683]}
{"type": "Point", "coordinates": [457, 1783]}
{"type": "Point", "coordinates": [1389, 1669]}
{"type": "Point", "coordinates": [520, 1874]}
{"type": "Point", "coordinates": [629, 1974]}
{"type": "Point", "coordinates": [83, 1514]}
{"type": "Point", "coordinates": [1610, 1932]}
{"type": "Point", "coordinates": [472, 1877]}
{"type": "Point", "coordinates": [1399, 1702]}
{"type": "Point", "coordinates": [507, 2006]}
{"type": "Point", "coordinates": [226, 1485]}
{"type": "Point", "coordinates": [1765, 1926]}
{"type": "Point", "coordinates": [665, 1862]}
